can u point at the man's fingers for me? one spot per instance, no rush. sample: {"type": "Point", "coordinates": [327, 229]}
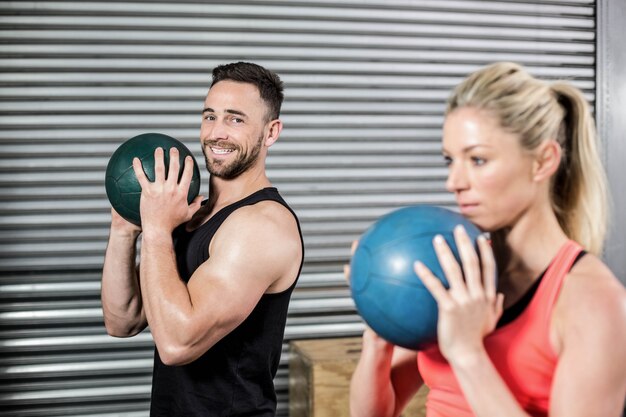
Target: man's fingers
{"type": "Point", "coordinates": [174, 167]}
{"type": "Point", "coordinates": [159, 165]}
{"type": "Point", "coordinates": [141, 176]}
{"type": "Point", "coordinates": [197, 202]}
{"type": "Point", "coordinates": [185, 180]}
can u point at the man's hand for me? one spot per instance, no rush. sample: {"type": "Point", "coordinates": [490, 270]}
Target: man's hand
{"type": "Point", "coordinates": [163, 204]}
{"type": "Point", "coordinates": [123, 227]}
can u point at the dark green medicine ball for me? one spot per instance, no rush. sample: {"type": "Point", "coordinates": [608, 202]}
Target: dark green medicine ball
{"type": "Point", "coordinates": [122, 187]}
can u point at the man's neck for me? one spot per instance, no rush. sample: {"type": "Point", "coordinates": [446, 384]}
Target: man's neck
{"type": "Point", "coordinates": [223, 192]}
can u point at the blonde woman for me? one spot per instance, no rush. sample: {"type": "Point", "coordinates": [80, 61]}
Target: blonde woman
{"type": "Point", "coordinates": [550, 340]}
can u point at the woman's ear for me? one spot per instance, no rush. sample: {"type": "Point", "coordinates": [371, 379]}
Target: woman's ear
{"type": "Point", "coordinates": [273, 131]}
{"type": "Point", "coordinates": [547, 160]}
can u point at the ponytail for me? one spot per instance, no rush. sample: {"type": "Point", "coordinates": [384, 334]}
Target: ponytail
{"type": "Point", "coordinates": [579, 188]}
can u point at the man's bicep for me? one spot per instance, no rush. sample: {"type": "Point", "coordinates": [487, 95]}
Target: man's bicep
{"type": "Point", "coordinates": [248, 251]}
{"type": "Point", "coordinates": [227, 281]}
{"type": "Point", "coordinates": [225, 289]}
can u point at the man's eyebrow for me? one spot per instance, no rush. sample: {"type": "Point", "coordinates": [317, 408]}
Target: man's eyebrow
{"type": "Point", "coordinates": [237, 112]}
{"type": "Point", "coordinates": [230, 111]}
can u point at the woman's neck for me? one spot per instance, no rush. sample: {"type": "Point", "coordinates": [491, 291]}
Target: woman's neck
{"type": "Point", "coordinates": [524, 250]}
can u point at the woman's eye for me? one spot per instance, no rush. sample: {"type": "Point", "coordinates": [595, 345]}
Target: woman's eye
{"type": "Point", "coordinates": [478, 161]}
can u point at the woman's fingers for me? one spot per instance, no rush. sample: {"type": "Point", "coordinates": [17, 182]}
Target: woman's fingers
{"type": "Point", "coordinates": [355, 244]}
{"type": "Point", "coordinates": [488, 266]}
{"type": "Point", "coordinates": [469, 260]}
{"type": "Point", "coordinates": [346, 268]}
{"type": "Point", "coordinates": [449, 265]}
{"type": "Point", "coordinates": [432, 283]}
{"type": "Point", "coordinates": [499, 305]}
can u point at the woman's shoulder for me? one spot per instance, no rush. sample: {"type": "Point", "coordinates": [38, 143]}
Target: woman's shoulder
{"type": "Point", "coordinates": [590, 276]}
{"type": "Point", "coordinates": [591, 307]}
{"type": "Point", "coordinates": [592, 294]}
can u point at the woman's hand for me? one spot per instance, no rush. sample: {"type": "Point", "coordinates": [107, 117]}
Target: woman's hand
{"type": "Point", "coordinates": [470, 309]}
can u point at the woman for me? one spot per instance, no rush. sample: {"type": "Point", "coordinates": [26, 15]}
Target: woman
{"type": "Point", "coordinates": [523, 166]}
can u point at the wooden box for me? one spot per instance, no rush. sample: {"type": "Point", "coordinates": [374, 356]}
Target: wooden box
{"type": "Point", "coordinates": [319, 378]}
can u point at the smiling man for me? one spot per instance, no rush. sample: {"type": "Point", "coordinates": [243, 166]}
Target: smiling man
{"type": "Point", "coordinates": [216, 276]}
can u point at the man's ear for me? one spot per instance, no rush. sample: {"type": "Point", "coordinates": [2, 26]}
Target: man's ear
{"type": "Point", "coordinates": [273, 131]}
{"type": "Point", "coordinates": [547, 160]}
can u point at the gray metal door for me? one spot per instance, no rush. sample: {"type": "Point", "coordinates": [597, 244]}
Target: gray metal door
{"type": "Point", "coordinates": [365, 88]}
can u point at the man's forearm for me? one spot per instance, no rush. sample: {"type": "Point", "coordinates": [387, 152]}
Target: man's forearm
{"type": "Point", "coordinates": [120, 291]}
{"type": "Point", "coordinates": [166, 299]}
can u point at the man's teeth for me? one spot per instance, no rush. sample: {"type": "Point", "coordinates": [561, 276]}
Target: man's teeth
{"type": "Point", "coordinates": [221, 151]}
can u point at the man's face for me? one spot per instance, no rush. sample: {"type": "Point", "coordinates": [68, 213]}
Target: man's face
{"type": "Point", "coordinates": [233, 129]}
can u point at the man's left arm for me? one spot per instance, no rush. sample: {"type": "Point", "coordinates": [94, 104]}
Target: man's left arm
{"type": "Point", "coordinates": [257, 248]}
{"type": "Point", "coordinates": [249, 253]}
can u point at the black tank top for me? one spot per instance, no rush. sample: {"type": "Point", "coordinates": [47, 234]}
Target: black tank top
{"type": "Point", "coordinates": [235, 376]}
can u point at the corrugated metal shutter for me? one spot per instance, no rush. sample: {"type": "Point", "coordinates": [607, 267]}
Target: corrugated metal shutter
{"type": "Point", "coordinates": [365, 87]}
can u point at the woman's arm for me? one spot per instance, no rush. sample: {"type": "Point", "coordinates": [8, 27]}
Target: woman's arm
{"type": "Point", "coordinates": [589, 335]}
{"type": "Point", "coordinates": [385, 379]}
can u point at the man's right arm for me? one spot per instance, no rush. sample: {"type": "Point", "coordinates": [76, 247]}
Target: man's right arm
{"type": "Point", "coordinates": [120, 291]}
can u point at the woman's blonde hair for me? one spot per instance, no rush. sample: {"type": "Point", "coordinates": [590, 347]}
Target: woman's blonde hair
{"type": "Point", "coordinates": [536, 111]}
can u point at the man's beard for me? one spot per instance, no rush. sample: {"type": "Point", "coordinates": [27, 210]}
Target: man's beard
{"type": "Point", "coordinates": [243, 162]}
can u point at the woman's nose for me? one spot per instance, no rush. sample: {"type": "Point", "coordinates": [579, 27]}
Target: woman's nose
{"type": "Point", "coordinates": [457, 179]}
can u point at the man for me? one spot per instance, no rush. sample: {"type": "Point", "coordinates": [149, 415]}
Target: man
{"type": "Point", "coordinates": [215, 277]}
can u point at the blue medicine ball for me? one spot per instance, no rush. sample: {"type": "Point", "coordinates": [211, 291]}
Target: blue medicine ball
{"type": "Point", "coordinates": [387, 292]}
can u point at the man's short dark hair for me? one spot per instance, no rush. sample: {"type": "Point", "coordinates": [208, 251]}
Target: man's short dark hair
{"type": "Point", "coordinates": [269, 84]}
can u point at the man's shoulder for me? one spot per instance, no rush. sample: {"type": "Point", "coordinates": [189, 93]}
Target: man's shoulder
{"type": "Point", "coordinates": [261, 237]}
{"type": "Point", "coordinates": [264, 221]}
{"type": "Point", "coordinates": [263, 214]}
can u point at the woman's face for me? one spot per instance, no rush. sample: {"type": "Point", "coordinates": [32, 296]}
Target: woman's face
{"type": "Point", "coordinates": [488, 171]}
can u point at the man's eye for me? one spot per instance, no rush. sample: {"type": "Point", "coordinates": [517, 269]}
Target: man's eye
{"type": "Point", "coordinates": [209, 117]}
{"type": "Point", "coordinates": [447, 160]}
